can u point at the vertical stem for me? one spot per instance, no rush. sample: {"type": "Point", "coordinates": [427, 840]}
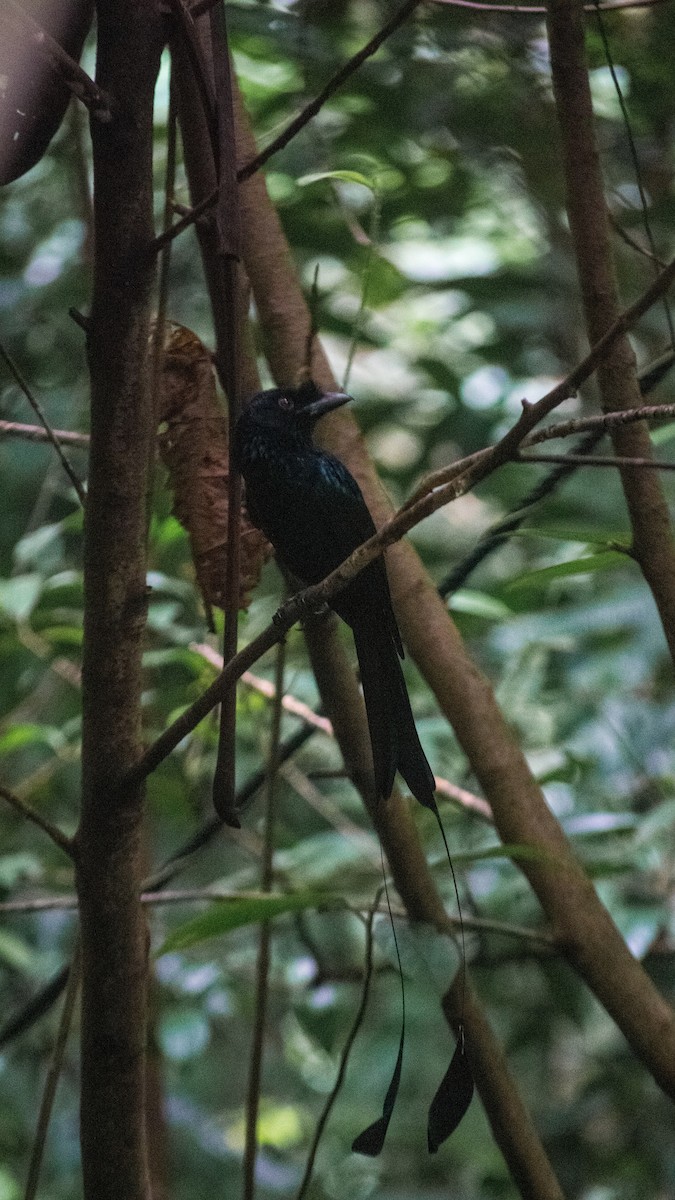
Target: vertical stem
{"type": "Point", "coordinates": [263, 961]}
{"type": "Point", "coordinates": [53, 1074]}
{"type": "Point", "coordinates": [218, 234]}
{"type": "Point", "coordinates": [227, 362]}
{"type": "Point", "coordinates": [617, 376]}
{"type": "Point", "coordinates": [109, 847]}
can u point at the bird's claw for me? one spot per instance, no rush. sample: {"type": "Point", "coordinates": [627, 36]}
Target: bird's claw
{"type": "Point", "coordinates": [314, 608]}
{"type": "Point", "coordinates": [279, 617]}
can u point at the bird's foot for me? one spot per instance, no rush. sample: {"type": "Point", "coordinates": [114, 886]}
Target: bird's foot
{"type": "Point", "coordinates": [315, 608]}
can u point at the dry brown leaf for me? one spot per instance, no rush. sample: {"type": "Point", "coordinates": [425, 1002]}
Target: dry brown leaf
{"type": "Point", "coordinates": [194, 447]}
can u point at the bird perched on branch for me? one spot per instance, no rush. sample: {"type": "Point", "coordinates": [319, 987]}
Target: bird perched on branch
{"type": "Point", "coordinates": [312, 510]}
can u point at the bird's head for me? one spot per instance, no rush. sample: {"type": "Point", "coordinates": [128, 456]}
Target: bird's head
{"type": "Point", "coordinates": [293, 408]}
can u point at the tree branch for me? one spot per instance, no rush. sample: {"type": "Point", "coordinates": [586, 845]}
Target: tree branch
{"type": "Point", "coordinates": [50, 434]}
{"type": "Point", "coordinates": [26, 810]}
{"type": "Point", "coordinates": [37, 433]}
{"type": "Point", "coordinates": [591, 236]}
{"type": "Point", "coordinates": [109, 843]}
{"type": "Point", "coordinates": [294, 127]}
{"type": "Point", "coordinates": [592, 943]}
{"type": "Point", "coordinates": [598, 460]}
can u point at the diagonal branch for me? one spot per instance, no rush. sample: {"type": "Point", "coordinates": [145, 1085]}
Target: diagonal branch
{"type": "Point", "coordinates": [592, 943]}
{"type": "Point", "coordinates": [599, 460]}
{"type": "Point", "coordinates": [298, 123]}
{"type": "Point", "coordinates": [59, 838]}
{"type": "Point", "coordinates": [42, 417]}
{"type": "Point", "coordinates": [463, 476]}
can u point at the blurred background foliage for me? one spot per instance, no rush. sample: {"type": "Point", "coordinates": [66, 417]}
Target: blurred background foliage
{"type": "Point", "coordinates": [448, 211]}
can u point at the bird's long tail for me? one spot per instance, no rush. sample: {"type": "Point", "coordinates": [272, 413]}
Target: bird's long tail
{"type": "Point", "coordinates": [396, 746]}
{"type": "Point", "coordinates": [393, 736]}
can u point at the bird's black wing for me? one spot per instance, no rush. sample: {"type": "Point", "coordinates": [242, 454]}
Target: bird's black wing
{"type": "Point", "coordinates": [321, 518]}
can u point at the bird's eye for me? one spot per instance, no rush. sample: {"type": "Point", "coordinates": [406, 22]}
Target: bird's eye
{"type": "Point", "coordinates": [285, 403]}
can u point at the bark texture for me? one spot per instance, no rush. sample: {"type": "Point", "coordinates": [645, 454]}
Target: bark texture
{"type": "Point", "coordinates": [109, 843]}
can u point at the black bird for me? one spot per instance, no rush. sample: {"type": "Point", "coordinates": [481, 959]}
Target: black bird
{"type": "Point", "coordinates": [312, 510]}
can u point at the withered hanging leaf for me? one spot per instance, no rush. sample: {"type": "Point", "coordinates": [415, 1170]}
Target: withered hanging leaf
{"type": "Point", "coordinates": [194, 447]}
{"type": "Point", "coordinates": [33, 94]}
{"type": "Point", "coordinates": [452, 1099]}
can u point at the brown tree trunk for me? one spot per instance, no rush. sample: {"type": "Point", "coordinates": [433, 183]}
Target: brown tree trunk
{"type": "Point", "coordinates": [109, 845]}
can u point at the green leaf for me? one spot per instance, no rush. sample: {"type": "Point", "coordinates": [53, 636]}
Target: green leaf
{"type": "Point", "coordinates": [424, 951]}
{"type": "Point", "coordinates": [663, 435]}
{"type": "Point", "coordinates": [19, 595]}
{"type": "Point", "coordinates": [607, 538]}
{"type": "Point", "coordinates": [605, 560]}
{"type": "Point", "coordinates": [30, 734]}
{"type": "Point", "coordinates": [18, 868]}
{"type": "Point", "coordinates": [338, 177]}
{"type": "Point", "coordinates": [479, 604]}
{"type": "Point", "coordinates": [517, 851]}
{"type": "Point", "coordinates": [16, 953]}
{"type": "Point", "coordinates": [225, 915]}
{"type": "Point", "coordinates": [41, 545]}
{"type": "Point", "coordinates": [63, 635]}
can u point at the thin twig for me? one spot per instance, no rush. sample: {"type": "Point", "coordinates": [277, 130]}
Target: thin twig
{"type": "Point", "coordinates": [650, 412]}
{"type": "Point", "coordinates": [646, 220]}
{"type": "Point", "coordinates": [346, 1050]}
{"type": "Point", "coordinates": [598, 460]}
{"type": "Point", "coordinates": [37, 433]}
{"type": "Point", "coordinates": [308, 112]}
{"type": "Point", "coordinates": [334, 83]}
{"type": "Point", "coordinates": [41, 415]}
{"type": "Point", "coordinates": [55, 1068]}
{"type": "Point", "coordinates": [633, 242]}
{"type": "Point", "coordinates": [159, 329]}
{"type": "Point", "coordinates": [415, 510]}
{"type": "Point", "coordinates": [537, 9]}
{"type": "Point", "coordinates": [264, 687]}
{"type": "Point", "coordinates": [189, 218]}
{"type": "Point", "coordinates": [469, 801]}
{"type": "Point", "coordinates": [561, 429]}
{"type": "Point", "coordinates": [219, 895]}
{"type": "Point", "coordinates": [58, 837]}
{"type": "Point", "coordinates": [263, 960]}
{"type": "Point", "coordinates": [226, 318]}
{"type": "Point", "coordinates": [364, 841]}
{"type": "Point", "coordinates": [186, 24]}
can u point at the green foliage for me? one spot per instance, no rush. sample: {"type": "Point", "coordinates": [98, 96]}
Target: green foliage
{"type": "Point", "coordinates": [225, 916]}
{"type": "Point", "coordinates": [471, 304]}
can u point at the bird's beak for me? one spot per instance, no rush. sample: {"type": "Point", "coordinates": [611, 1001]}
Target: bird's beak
{"type": "Point", "coordinates": [326, 403]}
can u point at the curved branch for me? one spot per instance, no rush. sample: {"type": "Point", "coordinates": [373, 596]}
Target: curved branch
{"type": "Point", "coordinates": [75, 78]}
{"type": "Point", "coordinates": [593, 945]}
